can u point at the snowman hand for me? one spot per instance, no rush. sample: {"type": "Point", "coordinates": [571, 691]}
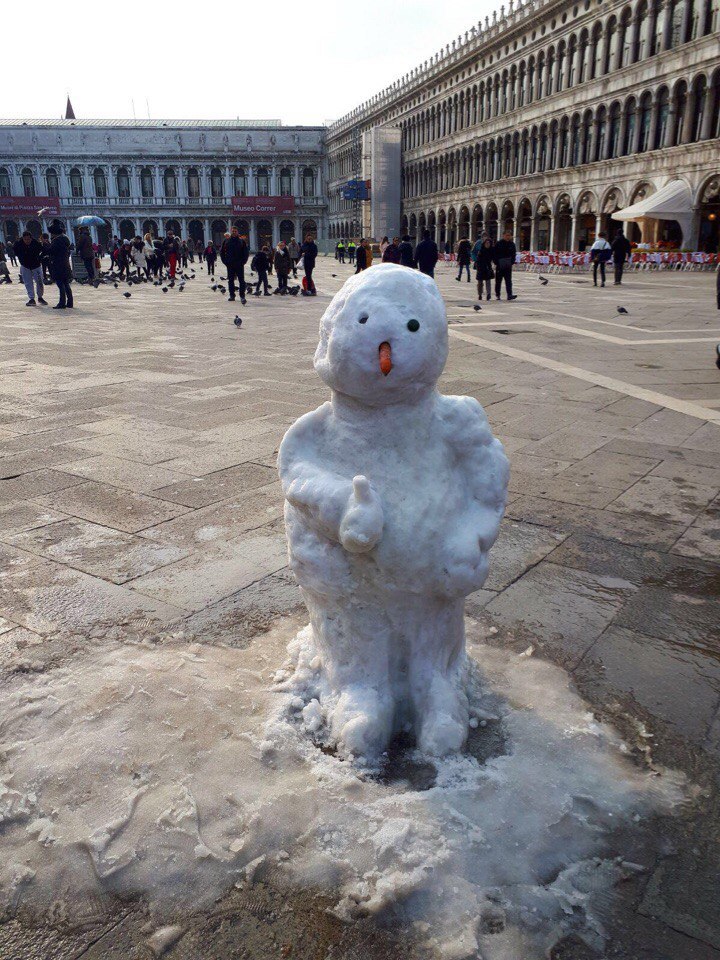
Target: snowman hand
{"type": "Point", "coordinates": [362, 521]}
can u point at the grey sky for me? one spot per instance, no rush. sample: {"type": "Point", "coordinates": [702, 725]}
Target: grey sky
{"type": "Point", "coordinates": [218, 60]}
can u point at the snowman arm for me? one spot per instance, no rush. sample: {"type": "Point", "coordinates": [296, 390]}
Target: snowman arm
{"type": "Point", "coordinates": [321, 495]}
{"type": "Point", "coordinates": [481, 463]}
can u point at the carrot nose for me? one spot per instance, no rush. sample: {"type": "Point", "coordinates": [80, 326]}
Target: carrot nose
{"type": "Point", "coordinates": [385, 358]}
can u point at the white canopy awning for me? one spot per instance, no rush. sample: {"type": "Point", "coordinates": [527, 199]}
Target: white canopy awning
{"type": "Point", "coordinates": [671, 202]}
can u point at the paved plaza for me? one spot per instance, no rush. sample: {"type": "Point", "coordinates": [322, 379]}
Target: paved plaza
{"type": "Point", "coordinates": [139, 500]}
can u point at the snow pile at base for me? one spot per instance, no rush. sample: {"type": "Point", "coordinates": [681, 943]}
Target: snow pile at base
{"type": "Point", "coordinates": [174, 771]}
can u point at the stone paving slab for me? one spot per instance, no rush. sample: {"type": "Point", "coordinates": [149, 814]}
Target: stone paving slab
{"type": "Point", "coordinates": [138, 493]}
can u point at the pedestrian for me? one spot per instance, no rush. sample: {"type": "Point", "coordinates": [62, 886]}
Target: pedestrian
{"type": "Point", "coordinates": [360, 257]}
{"type": "Point", "coordinates": [4, 272]}
{"type": "Point", "coordinates": [183, 255]}
{"type": "Point", "coordinates": [504, 255]}
{"type": "Point", "coordinates": [600, 253]}
{"type": "Point", "coordinates": [191, 249]}
{"type": "Point", "coordinates": [137, 254]}
{"type": "Point", "coordinates": [210, 258]}
{"type": "Point", "coordinates": [368, 253]}
{"type": "Point", "coordinates": [341, 251]}
{"type": "Point", "coordinates": [60, 265]}
{"type": "Point", "coordinates": [484, 267]}
{"type": "Point", "coordinates": [171, 247]}
{"type": "Point", "coordinates": [407, 257]}
{"type": "Point", "coordinates": [260, 264]}
{"type": "Point", "coordinates": [309, 252]}
{"type": "Point", "coordinates": [426, 254]}
{"type": "Point", "coordinates": [234, 254]}
{"type": "Point", "coordinates": [11, 253]}
{"type": "Point", "coordinates": [124, 259]}
{"type": "Point", "coordinates": [463, 256]}
{"type": "Point", "coordinates": [384, 244]}
{"type": "Point", "coordinates": [200, 250]}
{"type": "Point", "coordinates": [45, 259]}
{"type": "Point", "coordinates": [621, 251]}
{"type": "Point", "coordinates": [29, 252]}
{"type": "Point", "coordinates": [294, 251]}
{"type": "Point", "coordinates": [150, 259]}
{"type": "Point", "coordinates": [392, 252]}
{"type": "Point", "coordinates": [283, 265]}
{"type": "Point", "coordinates": [351, 251]}
{"type": "Point", "coordinates": [86, 253]}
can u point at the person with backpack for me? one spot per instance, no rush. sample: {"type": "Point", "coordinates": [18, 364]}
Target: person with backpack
{"type": "Point", "coordinates": [210, 258]}
{"type": "Point", "coordinates": [407, 257]}
{"type": "Point", "coordinates": [600, 253]}
{"type": "Point", "coordinates": [309, 252]}
{"type": "Point", "coordinates": [86, 252]}
{"type": "Point", "coordinates": [294, 251]}
{"type": "Point", "coordinates": [621, 251]}
{"type": "Point", "coordinates": [234, 254]}
{"type": "Point", "coordinates": [259, 265]}
{"type": "Point", "coordinates": [504, 255]}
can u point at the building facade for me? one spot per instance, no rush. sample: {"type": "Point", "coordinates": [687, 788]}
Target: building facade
{"type": "Point", "coordinates": [547, 120]}
{"type": "Point", "coordinates": [196, 177]}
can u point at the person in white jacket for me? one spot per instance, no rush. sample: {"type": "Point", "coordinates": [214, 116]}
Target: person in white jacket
{"type": "Point", "coordinates": [600, 253]}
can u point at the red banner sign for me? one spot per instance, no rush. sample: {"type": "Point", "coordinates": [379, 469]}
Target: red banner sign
{"type": "Point", "coordinates": [29, 207]}
{"type": "Point", "coordinates": [264, 206]}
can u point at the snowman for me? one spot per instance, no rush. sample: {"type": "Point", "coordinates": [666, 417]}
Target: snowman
{"type": "Point", "coordinates": [394, 496]}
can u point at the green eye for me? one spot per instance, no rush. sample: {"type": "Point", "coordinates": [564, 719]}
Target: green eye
{"type": "Point", "coordinates": [413, 326]}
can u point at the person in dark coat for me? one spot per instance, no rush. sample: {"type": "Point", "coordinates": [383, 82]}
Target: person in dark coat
{"type": "Point", "coordinates": [260, 264]}
{"type": "Point", "coordinates": [392, 252]}
{"type": "Point", "coordinates": [308, 252]}
{"type": "Point", "coordinates": [210, 258]}
{"type": "Point", "coordinates": [234, 255]}
{"type": "Point", "coordinates": [360, 260]}
{"type": "Point", "coordinates": [407, 258]}
{"type": "Point", "coordinates": [504, 254]}
{"type": "Point", "coordinates": [86, 252]}
{"type": "Point", "coordinates": [463, 255]}
{"type": "Point", "coordinates": [484, 268]}
{"type": "Point", "coordinates": [621, 250]}
{"type": "Point", "coordinates": [59, 254]}
{"type": "Point", "coordinates": [283, 266]}
{"type": "Point", "coordinates": [426, 254]}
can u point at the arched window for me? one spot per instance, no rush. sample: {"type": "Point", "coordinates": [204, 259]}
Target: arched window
{"type": "Point", "coordinates": [680, 109]}
{"type": "Point", "coordinates": [561, 66]}
{"type": "Point", "coordinates": [4, 182]}
{"type": "Point", "coordinates": [539, 85]}
{"type": "Point", "coordinates": [601, 134]}
{"type": "Point", "coordinates": [643, 21]}
{"type": "Point", "coordinates": [28, 182]}
{"type": "Point", "coordinates": [587, 138]}
{"type": "Point", "coordinates": [216, 183]}
{"type": "Point", "coordinates": [76, 183]}
{"type": "Point", "coordinates": [550, 73]}
{"type": "Point", "coordinates": [701, 93]}
{"type": "Point", "coordinates": [262, 180]}
{"type": "Point", "coordinates": [645, 122]}
{"type": "Point", "coordinates": [571, 58]}
{"type": "Point", "coordinates": [123, 183]}
{"type": "Point", "coordinates": [52, 182]}
{"type": "Point", "coordinates": [663, 112]}
{"type": "Point", "coordinates": [239, 182]}
{"type": "Point", "coordinates": [575, 153]}
{"type": "Point", "coordinates": [614, 131]}
{"type": "Point", "coordinates": [170, 183]}
{"type": "Point", "coordinates": [286, 184]}
{"type": "Point", "coordinates": [308, 182]}
{"type": "Point", "coordinates": [610, 41]}
{"type": "Point", "coordinates": [193, 183]}
{"type": "Point", "coordinates": [100, 183]}
{"type": "Point", "coordinates": [543, 148]}
{"type": "Point", "coordinates": [553, 159]}
{"type": "Point", "coordinates": [625, 40]}
{"type": "Point", "coordinates": [146, 183]}
{"type": "Point", "coordinates": [564, 142]}
{"type": "Point", "coordinates": [630, 125]}
{"type": "Point", "coordinates": [677, 22]}
{"type": "Point", "coordinates": [597, 52]}
{"type": "Point", "coordinates": [584, 57]}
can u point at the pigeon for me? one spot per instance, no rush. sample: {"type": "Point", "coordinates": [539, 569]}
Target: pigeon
{"type": "Point", "coordinates": [543, 280]}
{"type": "Point", "coordinates": [237, 321]}
{"type": "Point", "coordinates": [621, 310]}
{"type": "Point", "coordinates": [42, 210]}
{"type": "Point", "coordinates": [333, 275]}
{"type": "Point", "coordinates": [293, 291]}
{"type": "Point", "coordinates": [223, 278]}
{"type": "Point", "coordinates": [477, 307]}
{"type": "Point", "coordinates": [127, 294]}
{"type": "Point", "coordinates": [214, 287]}
{"type": "Point", "coordinates": [221, 288]}
{"type": "Point", "coordinates": [165, 289]}
{"type": "Point", "coordinates": [116, 284]}
{"type": "Point", "coordinates": [213, 279]}
{"type": "Point", "coordinates": [181, 288]}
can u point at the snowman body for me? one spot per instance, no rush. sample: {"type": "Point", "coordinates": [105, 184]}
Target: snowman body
{"type": "Point", "coordinates": [394, 497]}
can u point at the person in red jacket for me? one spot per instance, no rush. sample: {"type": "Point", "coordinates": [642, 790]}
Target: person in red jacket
{"type": "Point", "coordinates": [171, 247]}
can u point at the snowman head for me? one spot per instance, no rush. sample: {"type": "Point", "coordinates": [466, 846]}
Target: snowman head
{"type": "Point", "coordinates": [384, 336]}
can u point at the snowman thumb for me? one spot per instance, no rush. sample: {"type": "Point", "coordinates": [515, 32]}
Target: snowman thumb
{"type": "Point", "coordinates": [361, 488]}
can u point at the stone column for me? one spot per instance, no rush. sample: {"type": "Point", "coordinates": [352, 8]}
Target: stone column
{"type": "Point", "coordinates": [614, 63]}
{"type": "Point", "coordinates": [157, 177]}
{"type": "Point", "coordinates": [227, 183]}
{"type": "Point", "coordinates": [551, 239]}
{"type": "Point", "coordinates": [573, 231]}
{"type": "Point", "coordinates": [533, 233]}
{"type": "Point", "coordinates": [621, 134]}
{"type": "Point", "coordinates": [669, 138]}
{"type": "Point", "coordinates": [250, 181]}
{"type": "Point", "coordinates": [634, 39]}
{"type": "Point", "coordinates": [686, 134]}
{"type": "Point", "coordinates": [707, 121]}
{"type": "Point", "coordinates": [598, 224]}
{"type": "Point", "coordinates": [516, 232]}
{"type": "Point", "coordinates": [635, 145]}
{"type": "Point", "coordinates": [273, 181]}
{"type": "Point", "coordinates": [207, 231]}
{"type": "Point", "coordinates": [667, 26]}
{"type": "Point", "coordinates": [653, 122]}
{"type": "Point", "coordinates": [685, 26]}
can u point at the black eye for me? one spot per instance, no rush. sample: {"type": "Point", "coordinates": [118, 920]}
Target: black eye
{"type": "Point", "coordinates": [413, 326]}
{"type": "Point", "coordinates": [363, 318]}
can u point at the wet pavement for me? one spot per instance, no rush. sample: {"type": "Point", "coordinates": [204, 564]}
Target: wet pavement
{"type": "Point", "coordinates": [139, 498]}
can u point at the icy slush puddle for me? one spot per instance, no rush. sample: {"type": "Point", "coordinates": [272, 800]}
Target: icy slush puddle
{"type": "Point", "coordinates": [173, 771]}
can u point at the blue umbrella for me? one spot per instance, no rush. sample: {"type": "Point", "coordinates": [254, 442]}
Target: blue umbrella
{"type": "Point", "coordinates": [90, 221]}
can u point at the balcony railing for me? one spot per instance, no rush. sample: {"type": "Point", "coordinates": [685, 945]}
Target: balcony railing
{"type": "Point", "coordinates": [170, 201]}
